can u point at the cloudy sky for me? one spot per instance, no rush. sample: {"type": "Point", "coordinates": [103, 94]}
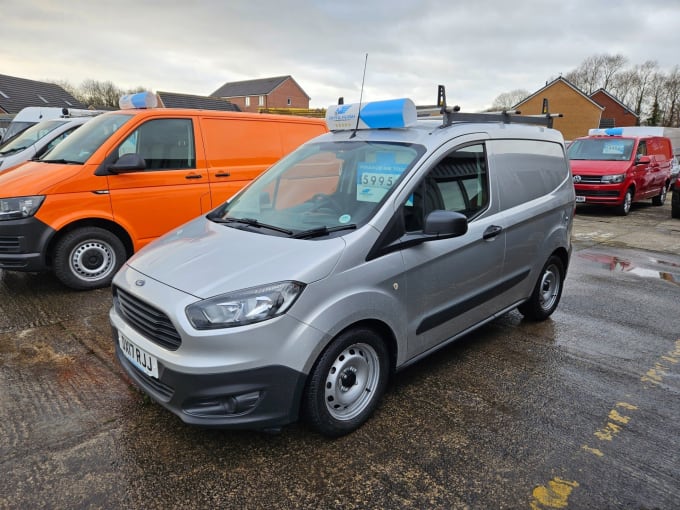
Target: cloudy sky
{"type": "Point", "coordinates": [478, 49]}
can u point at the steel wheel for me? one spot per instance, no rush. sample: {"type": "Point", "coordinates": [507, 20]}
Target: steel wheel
{"type": "Point", "coordinates": [351, 381]}
{"type": "Point", "coordinates": [551, 282]}
{"type": "Point", "coordinates": [88, 258]}
{"type": "Point", "coordinates": [547, 291]}
{"type": "Point", "coordinates": [347, 382]}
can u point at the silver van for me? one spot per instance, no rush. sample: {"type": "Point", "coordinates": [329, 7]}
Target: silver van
{"type": "Point", "coordinates": [358, 254]}
{"type": "Point", "coordinates": [37, 140]}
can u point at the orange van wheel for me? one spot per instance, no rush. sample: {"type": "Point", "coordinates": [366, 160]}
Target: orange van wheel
{"type": "Point", "coordinates": [88, 258]}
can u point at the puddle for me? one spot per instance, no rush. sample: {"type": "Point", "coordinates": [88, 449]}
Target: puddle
{"type": "Point", "coordinates": [618, 264]}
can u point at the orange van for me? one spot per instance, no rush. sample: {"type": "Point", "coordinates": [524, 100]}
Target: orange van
{"type": "Point", "coordinates": [127, 177]}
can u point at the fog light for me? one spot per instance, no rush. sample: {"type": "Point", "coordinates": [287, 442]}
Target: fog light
{"type": "Point", "coordinates": [223, 406]}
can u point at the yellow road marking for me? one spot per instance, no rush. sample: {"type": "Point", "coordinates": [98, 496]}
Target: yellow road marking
{"type": "Point", "coordinates": [554, 495]}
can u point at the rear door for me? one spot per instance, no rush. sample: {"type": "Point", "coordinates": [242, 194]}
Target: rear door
{"type": "Point", "coordinates": [171, 190]}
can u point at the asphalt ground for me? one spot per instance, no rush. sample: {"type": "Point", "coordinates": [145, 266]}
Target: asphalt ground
{"type": "Point", "coordinates": [580, 411]}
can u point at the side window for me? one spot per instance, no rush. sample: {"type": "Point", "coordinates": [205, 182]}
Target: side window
{"type": "Point", "coordinates": [527, 169]}
{"type": "Point", "coordinates": [459, 182]}
{"type": "Point", "coordinates": [642, 148]}
{"type": "Point", "coordinates": [165, 144]}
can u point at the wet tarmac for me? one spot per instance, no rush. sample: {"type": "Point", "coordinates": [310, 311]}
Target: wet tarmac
{"type": "Point", "coordinates": [580, 411]}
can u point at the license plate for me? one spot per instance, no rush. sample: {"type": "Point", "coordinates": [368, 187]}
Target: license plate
{"type": "Point", "coordinates": [138, 357]}
{"type": "Point", "coordinates": [580, 198]}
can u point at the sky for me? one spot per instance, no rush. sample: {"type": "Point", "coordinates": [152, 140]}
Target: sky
{"type": "Point", "coordinates": [477, 49]}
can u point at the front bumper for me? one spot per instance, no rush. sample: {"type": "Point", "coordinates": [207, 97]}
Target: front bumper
{"type": "Point", "coordinates": [603, 194]}
{"type": "Point", "coordinates": [23, 244]}
{"type": "Point", "coordinates": [259, 398]}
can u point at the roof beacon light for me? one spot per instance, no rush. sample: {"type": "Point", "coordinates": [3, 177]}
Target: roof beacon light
{"type": "Point", "coordinates": [138, 100]}
{"type": "Point", "coordinates": [394, 113]}
{"type": "Point", "coordinates": [606, 132]}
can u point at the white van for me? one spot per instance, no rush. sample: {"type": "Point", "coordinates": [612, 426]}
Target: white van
{"type": "Point", "coordinates": [37, 140]}
{"type": "Point", "coordinates": [31, 115]}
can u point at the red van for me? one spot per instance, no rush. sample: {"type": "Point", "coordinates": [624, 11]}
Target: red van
{"type": "Point", "coordinates": [619, 166]}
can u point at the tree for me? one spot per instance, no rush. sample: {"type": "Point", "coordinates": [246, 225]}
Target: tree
{"type": "Point", "coordinates": [596, 72]}
{"type": "Point", "coordinates": [507, 100]}
{"type": "Point", "coordinates": [98, 94]}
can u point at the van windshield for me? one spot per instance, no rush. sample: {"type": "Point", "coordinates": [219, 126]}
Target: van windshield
{"type": "Point", "coordinates": [601, 149]}
{"type": "Point", "coordinates": [78, 147]}
{"type": "Point", "coordinates": [29, 137]}
{"type": "Point", "coordinates": [321, 188]}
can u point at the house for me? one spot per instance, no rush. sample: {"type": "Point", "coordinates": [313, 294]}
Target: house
{"type": "Point", "coordinates": [615, 114]}
{"type": "Point", "coordinates": [18, 93]}
{"type": "Point", "coordinates": [580, 112]}
{"type": "Point", "coordinates": [252, 95]}
{"type": "Point", "coordinates": [175, 100]}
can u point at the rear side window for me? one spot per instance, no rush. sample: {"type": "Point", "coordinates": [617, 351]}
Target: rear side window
{"type": "Point", "coordinates": [527, 169]}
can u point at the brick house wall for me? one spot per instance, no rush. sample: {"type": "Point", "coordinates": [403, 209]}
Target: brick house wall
{"type": "Point", "coordinates": [618, 115]}
{"type": "Point", "coordinates": [287, 91]}
{"type": "Point", "coordinates": [579, 112]}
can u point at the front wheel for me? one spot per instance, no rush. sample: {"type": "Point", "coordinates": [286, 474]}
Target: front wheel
{"type": "Point", "coordinates": [346, 383]}
{"type": "Point", "coordinates": [547, 292]}
{"type": "Point", "coordinates": [88, 258]}
{"type": "Point", "coordinates": [624, 207]}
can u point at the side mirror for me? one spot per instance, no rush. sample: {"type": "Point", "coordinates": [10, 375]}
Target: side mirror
{"type": "Point", "coordinates": [128, 163]}
{"type": "Point", "coordinates": [444, 224]}
{"type": "Point", "coordinates": [642, 160]}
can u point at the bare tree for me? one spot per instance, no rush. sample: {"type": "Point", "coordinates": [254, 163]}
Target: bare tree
{"type": "Point", "coordinates": [611, 65]}
{"type": "Point", "coordinates": [672, 95]}
{"type": "Point", "coordinates": [596, 72]}
{"type": "Point", "coordinates": [97, 94]}
{"type": "Point", "coordinates": [507, 100]}
{"type": "Point", "coordinates": [640, 84]}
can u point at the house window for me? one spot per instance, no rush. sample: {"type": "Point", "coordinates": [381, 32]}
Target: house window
{"type": "Point", "coordinates": [289, 102]}
{"type": "Point", "coordinates": [4, 95]}
{"type": "Point", "coordinates": [247, 101]}
{"type": "Point", "coordinates": [43, 99]}
{"type": "Point", "coordinates": [261, 101]}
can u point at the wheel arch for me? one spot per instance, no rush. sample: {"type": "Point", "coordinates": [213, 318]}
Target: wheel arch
{"type": "Point", "coordinates": [109, 225]}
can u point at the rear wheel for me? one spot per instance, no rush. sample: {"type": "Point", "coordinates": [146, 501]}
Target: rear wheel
{"type": "Point", "coordinates": [88, 258]}
{"type": "Point", "coordinates": [624, 207]}
{"type": "Point", "coordinates": [347, 382]}
{"type": "Point", "coordinates": [547, 292]}
{"type": "Point", "coordinates": [660, 199]}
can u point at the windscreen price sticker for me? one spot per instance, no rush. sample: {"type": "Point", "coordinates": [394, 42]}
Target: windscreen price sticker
{"type": "Point", "coordinates": [373, 181]}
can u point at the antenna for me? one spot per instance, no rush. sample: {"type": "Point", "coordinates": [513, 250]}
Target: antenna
{"type": "Point", "coordinates": [361, 96]}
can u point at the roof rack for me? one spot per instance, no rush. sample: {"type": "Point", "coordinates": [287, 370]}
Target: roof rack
{"type": "Point", "coordinates": [453, 114]}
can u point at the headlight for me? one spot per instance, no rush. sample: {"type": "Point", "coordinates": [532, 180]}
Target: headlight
{"type": "Point", "coordinates": [20, 207]}
{"type": "Point", "coordinates": [613, 179]}
{"type": "Point", "coordinates": [244, 306]}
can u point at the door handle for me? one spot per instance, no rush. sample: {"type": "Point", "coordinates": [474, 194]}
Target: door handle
{"type": "Point", "coordinates": [193, 176]}
{"type": "Point", "coordinates": [222, 174]}
{"type": "Point", "coordinates": [492, 231]}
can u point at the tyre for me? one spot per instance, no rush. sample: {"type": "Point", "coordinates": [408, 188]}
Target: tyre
{"type": "Point", "coordinates": [88, 258]}
{"type": "Point", "coordinates": [547, 292]}
{"type": "Point", "coordinates": [346, 383]}
{"type": "Point", "coordinates": [675, 211]}
{"type": "Point", "coordinates": [624, 207]}
{"type": "Point", "coordinates": [660, 199]}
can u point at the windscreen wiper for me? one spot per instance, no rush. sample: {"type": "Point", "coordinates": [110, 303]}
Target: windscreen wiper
{"type": "Point", "coordinates": [321, 231]}
{"type": "Point", "coordinates": [62, 161]}
{"type": "Point", "coordinates": [11, 151]}
{"type": "Point", "coordinates": [251, 222]}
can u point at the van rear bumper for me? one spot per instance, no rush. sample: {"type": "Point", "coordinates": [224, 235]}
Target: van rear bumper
{"type": "Point", "coordinates": [23, 244]}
